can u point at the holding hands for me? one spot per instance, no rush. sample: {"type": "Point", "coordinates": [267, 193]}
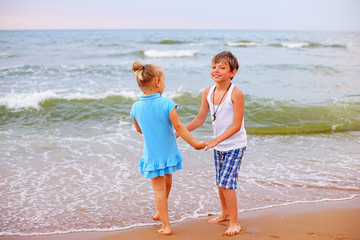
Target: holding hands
{"type": "Point", "coordinates": [203, 144]}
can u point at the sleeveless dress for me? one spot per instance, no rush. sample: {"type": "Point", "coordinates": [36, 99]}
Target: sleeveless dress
{"type": "Point", "coordinates": [224, 120]}
{"type": "Point", "coordinates": [161, 155]}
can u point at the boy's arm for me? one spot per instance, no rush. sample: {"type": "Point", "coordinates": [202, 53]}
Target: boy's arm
{"type": "Point", "coordinates": [183, 132]}
{"type": "Point", "coordinates": [137, 126]}
{"type": "Point", "coordinates": [203, 112]}
{"type": "Point", "coordinates": [237, 98]}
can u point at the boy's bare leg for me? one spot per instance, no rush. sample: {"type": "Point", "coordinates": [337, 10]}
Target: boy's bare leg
{"type": "Point", "coordinates": [224, 209]}
{"type": "Point", "coordinates": [159, 187]}
{"type": "Point", "coordinates": [231, 201]}
{"type": "Point", "coordinates": [168, 182]}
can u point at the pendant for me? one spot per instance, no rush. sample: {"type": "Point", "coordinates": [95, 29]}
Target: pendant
{"type": "Point", "coordinates": [214, 117]}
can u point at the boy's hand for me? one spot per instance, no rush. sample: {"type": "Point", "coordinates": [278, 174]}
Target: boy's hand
{"type": "Point", "coordinates": [210, 144]}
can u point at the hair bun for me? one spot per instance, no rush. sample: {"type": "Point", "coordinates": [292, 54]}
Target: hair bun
{"type": "Point", "coordinates": [137, 65]}
{"type": "Point", "coordinates": [138, 68]}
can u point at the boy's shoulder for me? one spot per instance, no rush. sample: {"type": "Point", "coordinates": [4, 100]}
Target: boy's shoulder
{"type": "Point", "coordinates": [206, 90]}
{"type": "Point", "coordinates": [237, 90]}
{"type": "Point", "coordinates": [237, 94]}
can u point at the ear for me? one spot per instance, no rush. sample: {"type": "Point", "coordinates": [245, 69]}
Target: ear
{"type": "Point", "coordinates": [233, 73]}
{"type": "Point", "coordinates": [157, 81]}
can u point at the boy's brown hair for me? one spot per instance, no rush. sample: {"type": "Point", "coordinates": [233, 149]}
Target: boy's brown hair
{"type": "Point", "coordinates": [228, 57]}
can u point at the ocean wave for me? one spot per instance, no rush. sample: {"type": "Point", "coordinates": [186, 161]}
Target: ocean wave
{"type": "Point", "coordinates": [283, 117]}
{"type": "Point", "coordinates": [317, 69]}
{"type": "Point", "coordinates": [35, 100]}
{"type": "Point", "coordinates": [247, 43]}
{"type": "Point", "coordinates": [306, 45]}
{"type": "Point", "coordinates": [26, 101]}
{"type": "Point", "coordinates": [67, 70]}
{"type": "Point", "coordinates": [262, 116]}
{"type": "Point", "coordinates": [7, 55]}
{"type": "Point", "coordinates": [170, 41]}
{"type": "Point", "coordinates": [243, 43]}
{"type": "Point", "coordinates": [170, 53]}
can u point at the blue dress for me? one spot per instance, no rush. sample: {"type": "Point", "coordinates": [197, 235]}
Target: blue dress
{"type": "Point", "coordinates": [161, 155]}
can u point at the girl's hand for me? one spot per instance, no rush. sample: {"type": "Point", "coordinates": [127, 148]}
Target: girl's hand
{"type": "Point", "coordinates": [176, 134]}
{"type": "Point", "coordinates": [200, 145]}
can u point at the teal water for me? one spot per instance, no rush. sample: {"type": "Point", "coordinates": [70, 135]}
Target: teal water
{"type": "Point", "coordinates": [69, 151]}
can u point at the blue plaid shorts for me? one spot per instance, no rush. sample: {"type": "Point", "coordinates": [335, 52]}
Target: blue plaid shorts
{"type": "Point", "coordinates": [227, 164]}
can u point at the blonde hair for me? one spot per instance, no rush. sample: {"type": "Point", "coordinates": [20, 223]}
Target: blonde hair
{"type": "Point", "coordinates": [145, 73]}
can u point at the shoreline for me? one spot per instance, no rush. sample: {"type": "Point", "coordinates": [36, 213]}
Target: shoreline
{"type": "Point", "coordinates": [317, 220]}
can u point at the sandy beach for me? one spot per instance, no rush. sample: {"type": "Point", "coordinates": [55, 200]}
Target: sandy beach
{"type": "Point", "coordinates": [324, 220]}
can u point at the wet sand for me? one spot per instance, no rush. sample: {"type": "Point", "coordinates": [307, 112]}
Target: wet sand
{"type": "Point", "coordinates": [337, 220]}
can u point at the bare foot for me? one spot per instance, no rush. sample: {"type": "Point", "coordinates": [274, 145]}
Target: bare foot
{"type": "Point", "coordinates": [219, 218]}
{"type": "Point", "coordinates": [165, 231]}
{"type": "Point", "coordinates": [157, 217]}
{"type": "Point", "coordinates": [234, 229]}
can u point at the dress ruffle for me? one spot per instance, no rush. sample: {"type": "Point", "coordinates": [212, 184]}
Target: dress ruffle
{"type": "Point", "coordinates": [160, 167]}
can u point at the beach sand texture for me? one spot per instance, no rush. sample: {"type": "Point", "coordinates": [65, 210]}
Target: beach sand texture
{"type": "Point", "coordinates": [337, 220]}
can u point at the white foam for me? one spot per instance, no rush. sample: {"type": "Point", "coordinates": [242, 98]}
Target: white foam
{"type": "Point", "coordinates": [34, 99]}
{"type": "Point", "coordinates": [26, 100]}
{"type": "Point", "coordinates": [243, 44]}
{"type": "Point", "coordinates": [79, 96]}
{"type": "Point", "coordinates": [294, 45]}
{"type": "Point", "coordinates": [170, 53]}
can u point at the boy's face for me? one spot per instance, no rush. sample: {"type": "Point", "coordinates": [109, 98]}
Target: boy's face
{"type": "Point", "coordinates": [221, 72]}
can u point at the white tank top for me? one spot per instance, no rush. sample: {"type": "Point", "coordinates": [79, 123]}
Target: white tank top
{"type": "Point", "coordinates": [224, 120]}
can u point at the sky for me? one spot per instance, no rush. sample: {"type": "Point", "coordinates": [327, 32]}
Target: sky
{"type": "Point", "coordinates": [332, 15]}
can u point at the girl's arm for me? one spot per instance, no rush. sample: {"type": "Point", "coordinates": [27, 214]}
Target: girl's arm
{"type": "Point", "coordinates": [183, 132]}
{"type": "Point", "coordinates": [203, 112]}
{"type": "Point", "coordinates": [237, 98]}
{"type": "Point", "coordinates": [137, 126]}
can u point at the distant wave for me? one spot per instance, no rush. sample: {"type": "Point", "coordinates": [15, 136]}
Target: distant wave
{"type": "Point", "coordinates": [169, 41]}
{"type": "Point", "coordinates": [247, 43]}
{"type": "Point", "coordinates": [166, 41]}
{"type": "Point", "coordinates": [243, 43]}
{"type": "Point", "coordinates": [44, 70]}
{"type": "Point", "coordinates": [318, 69]}
{"type": "Point", "coordinates": [170, 53]}
{"type": "Point", "coordinates": [7, 55]}
{"type": "Point", "coordinates": [306, 45]}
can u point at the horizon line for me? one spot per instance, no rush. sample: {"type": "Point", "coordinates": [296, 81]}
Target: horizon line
{"type": "Point", "coordinates": [174, 29]}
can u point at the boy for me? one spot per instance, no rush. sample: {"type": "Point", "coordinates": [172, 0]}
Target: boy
{"type": "Point", "coordinates": [226, 103]}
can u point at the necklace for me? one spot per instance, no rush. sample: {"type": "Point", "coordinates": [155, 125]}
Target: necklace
{"type": "Point", "coordinates": [215, 111]}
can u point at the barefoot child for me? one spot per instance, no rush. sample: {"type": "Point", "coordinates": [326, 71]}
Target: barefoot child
{"type": "Point", "coordinates": [155, 116]}
{"type": "Point", "coordinates": [226, 103]}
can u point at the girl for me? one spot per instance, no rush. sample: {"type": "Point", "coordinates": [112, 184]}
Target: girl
{"type": "Point", "coordinates": [155, 116]}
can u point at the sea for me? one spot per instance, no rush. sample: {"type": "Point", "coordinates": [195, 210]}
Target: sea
{"type": "Point", "coordinates": [69, 151]}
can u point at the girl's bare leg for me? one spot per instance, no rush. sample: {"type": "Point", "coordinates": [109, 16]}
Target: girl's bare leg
{"type": "Point", "coordinates": [159, 187]}
{"type": "Point", "coordinates": [168, 182]}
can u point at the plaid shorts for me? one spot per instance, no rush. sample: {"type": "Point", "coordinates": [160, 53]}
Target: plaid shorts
{"type": "Point", "coordinates": [227, 164]}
